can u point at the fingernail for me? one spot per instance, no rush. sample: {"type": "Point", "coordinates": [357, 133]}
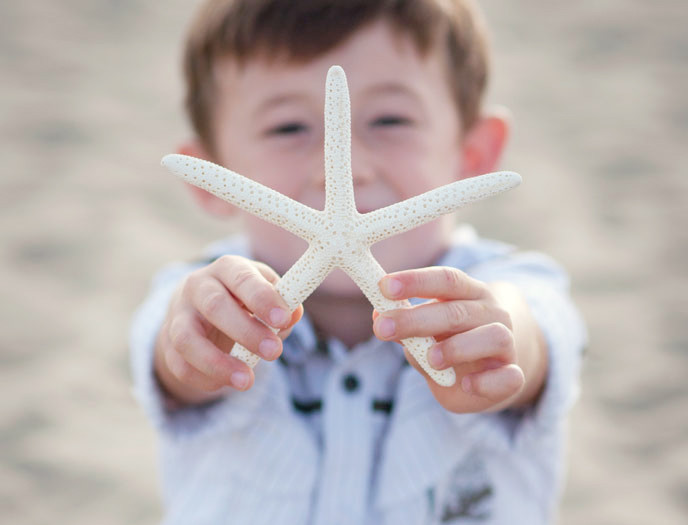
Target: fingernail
{"type": "Point", "coordinates": [240, 380]}
{"type": "Point", "coordinates": [466, 385]}
{"type": "Point", "coordinates": [393, 286]}
{"type": "Point", "coordinates": [386, 327]}
{"type": "Point", "coordinates": [436, 358]}
{"type": "Point", "coordinates": [268, 349]}
{"type": "Point", "coordinates": [278, 317]}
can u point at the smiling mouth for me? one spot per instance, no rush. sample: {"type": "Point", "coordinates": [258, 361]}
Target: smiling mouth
{"type": "Point", "coordinates": [363, 207]}
{"type": "Point", "coordinates": [367, 207]}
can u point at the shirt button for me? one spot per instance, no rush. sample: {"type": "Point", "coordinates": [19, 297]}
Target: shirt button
{"type": "Point", "coordinates": [351, 383]}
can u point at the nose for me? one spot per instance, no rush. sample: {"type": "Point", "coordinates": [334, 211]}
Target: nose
{"type": "Point", "coordinates": [362, 163]}
{"type": "Point", "coordinates": [363, 167]}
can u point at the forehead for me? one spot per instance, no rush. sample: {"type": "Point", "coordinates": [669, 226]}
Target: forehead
{"type": "Point", "coordinates": [374, 56]}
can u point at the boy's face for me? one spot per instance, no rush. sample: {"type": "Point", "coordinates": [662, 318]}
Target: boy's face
{"type": "Point", "coordinates": [406, 139]}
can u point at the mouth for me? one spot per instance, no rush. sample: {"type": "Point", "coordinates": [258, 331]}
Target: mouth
{"type": "Point", "coordinates": [363, 205]}
{"type": "Point", "coordinates": [366, 207]}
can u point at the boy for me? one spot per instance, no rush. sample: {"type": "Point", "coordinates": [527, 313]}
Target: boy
{"type": "Point", "coordinates": [339, 429]}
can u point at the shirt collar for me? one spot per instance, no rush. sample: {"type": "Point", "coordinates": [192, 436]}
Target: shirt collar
{"type": "Point", "coordinates": [302, 342]}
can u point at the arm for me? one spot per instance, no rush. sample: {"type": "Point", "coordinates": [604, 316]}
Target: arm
{"type": "Point", "coordinates": [213, 308]}
{"type": "Point", "coordinates": [484, 331]}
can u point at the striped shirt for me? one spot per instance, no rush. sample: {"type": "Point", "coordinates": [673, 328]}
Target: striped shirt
{"type": "Point", "coordinates": [332, 436]}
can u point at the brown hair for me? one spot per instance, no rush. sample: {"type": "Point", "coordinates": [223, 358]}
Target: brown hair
{"type": "Point", "coordinates": [301, 30]}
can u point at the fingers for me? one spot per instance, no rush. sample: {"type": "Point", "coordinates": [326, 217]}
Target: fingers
{"type": "Point", "coordinates": [437, 282]}
{"type": "Point", "coordinates": [496, 385]}
{"type": "Point", "coordinates": [437, 319]}
{"type": "Point", "coordinates": [233, 300]}
{"type": "Point", "coordinates": [212, 300]}
{"type": "Point", "coordinates": [462, 303]}
{"type": "Point", "coordinates": [493, 341]}
{"type": "Point", "coordinates": [252, 284]}
{"type": "Point", "coordinates": [296, 316]}
{"type": "Point", "coordinates": [196, 362]}
{"type": "Point", "coordinates": [238, 298]}
{"type": "Point", "coordinates": [486, 357]}
{"type": "Point", "coordinates": [473, 328]}
{"type": "Point", "coordinates": [267, 272]}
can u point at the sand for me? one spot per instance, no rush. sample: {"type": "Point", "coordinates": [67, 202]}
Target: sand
{"type": "Point", "coordinates": [90, 102]}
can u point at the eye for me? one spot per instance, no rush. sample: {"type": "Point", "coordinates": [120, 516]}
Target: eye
{"type": "Point", "coordinates": [391, 120]}
{"type": "Point", "coordinates": [288, 128]}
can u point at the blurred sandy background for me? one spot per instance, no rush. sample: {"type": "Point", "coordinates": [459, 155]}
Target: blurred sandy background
{"type": "Point", "coordinates": [90, 100]}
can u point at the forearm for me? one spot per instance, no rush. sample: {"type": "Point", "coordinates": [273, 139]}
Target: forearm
{"type": "Point", "coordinates": [530, 346]}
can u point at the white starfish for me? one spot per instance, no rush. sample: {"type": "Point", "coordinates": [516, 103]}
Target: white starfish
{"type": "Point", "coordinates": [339, 236]}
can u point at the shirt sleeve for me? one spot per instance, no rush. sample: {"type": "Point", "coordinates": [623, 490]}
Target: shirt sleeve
{"type": "Point", "coordinates": [145, 326]}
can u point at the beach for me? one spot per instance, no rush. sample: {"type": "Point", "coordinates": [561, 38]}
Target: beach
{"type": "Point", "coordinates": [92, 99]}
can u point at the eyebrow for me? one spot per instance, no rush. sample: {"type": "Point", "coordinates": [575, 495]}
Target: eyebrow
{"type": "Point", "coordinates": [384, 88]}
{"type": "Point", "coordinates": [278, 100]}
{"type": "Point", "coordinates": [392, 88]}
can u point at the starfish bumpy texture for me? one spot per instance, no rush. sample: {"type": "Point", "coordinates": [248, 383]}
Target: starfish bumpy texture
{"type": "Point", "coordinates": [339, 236]}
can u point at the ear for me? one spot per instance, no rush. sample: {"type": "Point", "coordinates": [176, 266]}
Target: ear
{"type": "Point", "coordinates": [209, 202]}
{"type": "Point", "coordinates": [484, 143]}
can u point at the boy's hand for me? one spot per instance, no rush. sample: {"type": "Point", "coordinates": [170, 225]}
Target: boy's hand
{"type": "Point", "coordinates": [474, 333]}
{"type": "Point", "coordinates": [215, 306]}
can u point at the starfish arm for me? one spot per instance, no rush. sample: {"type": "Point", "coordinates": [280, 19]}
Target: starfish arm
{"type": "Point", "coordinates": [366, 272]}
{"type": "Point", "coordinates": [246, 194]}
{"type": "Point", "coordinates": [304, 276]}
{"type": "Point", "coordinates": [339, 190]}
{"type": "Point", "coordinates": [406, 215]}
{"type": "Point", "coordinates": [294, 287]}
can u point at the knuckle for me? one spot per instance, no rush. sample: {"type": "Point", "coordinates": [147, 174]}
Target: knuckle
{"type": "Point", "coordinates": [451, 277]}
{"type": "Point", "coordinates": [226, 262]}
{"type": "Point", "coordinates": [213, 304]}
{"type": "Point", "coordinates": [270, 274]}
{"type": "Point", "coordinates": [242, 278]}
{"type": "Point", "coordinates": [180, 334]}
{"type": "Point", "coordinates": [457, 314]}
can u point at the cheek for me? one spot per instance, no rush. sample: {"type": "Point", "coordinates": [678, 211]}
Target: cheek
{"type": "Point", "coordinates": [286, 174]}
{"type": "Point", "coordinates": [415, 248]}
{"type": "Point", "coordinates": [282, 172]}
{"type": "Point", "coordinates": [412, 180]}
{"type": "Point", "coordinates": [272, 245]}
{"type": "Point", "coordinates": [422, 169]}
